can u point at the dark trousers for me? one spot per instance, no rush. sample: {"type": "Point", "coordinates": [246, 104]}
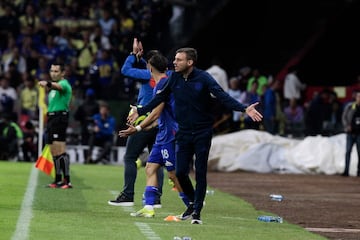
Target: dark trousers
{"type": "Point", "coordinates": [189, 145]}
{"type": "Point", "coordinates": [352, 139]}
{"type": "Point", "coordinates": [134, 147]}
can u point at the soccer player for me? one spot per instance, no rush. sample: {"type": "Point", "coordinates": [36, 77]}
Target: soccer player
{"type": "Point", "coordinates": [59, 97]}
{"type": "Point", "coordinates": [135, 144]}
{"type": "Point", "coordinates": [163, 151]}
{"type": "Point", "coordinates": [192, 89]}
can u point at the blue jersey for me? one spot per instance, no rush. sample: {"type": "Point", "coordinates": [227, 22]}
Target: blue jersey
{"type": "Point", "coordinates": [106, 126]}
{"type": "Point", "coordinates": [142, 75]}
{"type": "Point", "coordinates": [166, 122]}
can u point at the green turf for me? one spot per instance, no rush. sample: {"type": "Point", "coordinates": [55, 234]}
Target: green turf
{"type": "Point", "coordinates": [83, 212]}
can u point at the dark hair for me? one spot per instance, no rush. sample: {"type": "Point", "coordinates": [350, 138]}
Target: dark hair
{"type": "Point", "coordinates": [151, 53]}
{"type": "Point", "coordinates": [59, 63]}
{"type": "Point", "coordinates": [159, 62]}
{"type": "Point", "coordinates": [191, 53]}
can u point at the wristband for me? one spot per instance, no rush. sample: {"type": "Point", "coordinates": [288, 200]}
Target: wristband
{"type": "Point", "coordinates": [138, 128]}
{"type": "Point", "coordinates": [49, 84]}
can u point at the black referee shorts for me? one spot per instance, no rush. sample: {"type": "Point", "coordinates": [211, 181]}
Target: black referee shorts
{"type": "Point", "coordinates": [57, 124]}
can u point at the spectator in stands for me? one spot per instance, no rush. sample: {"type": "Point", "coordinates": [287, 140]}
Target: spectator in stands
{"type": "Point", "coordinates": [107, 21]}
{"type": "Point", "coordinates": [219, 74]}
{"type": "Point", "coordinates": [106, 68]}
{"type": "Point", "coordinates": [30, 18]}
{"type": "Point", "coordinates": [249, 97]}
{"type": "Point", "coordinates": [235, 92]}
{"type": "Point", "coordinates": [100, 40]}
{"type": "Point", "coordinates": [7, 49]}
{"type": "Point", "coordinates": [28, 98]}
{"type": "Point", "coordinates": [243, 75]}
{"type": "Point", "coordinates": [10, 137]}
{"type": "Point", "coordinates": [49, 50]}
{"type": "Point", "coordinates": [221, 114]}
{"type": "Point", "coordinates": [261, 80]}
{"type": "Point", "coordinates": [294, 114]}
{"type": "Point", "coordinates": [42, 68]}
{"type": "Point", "coordinates": [102, 134]}
{"type": "Point", "coordinates": [15, 60]}
{"type": "Point", "coordinates": [315, 114]}
{"type": "Point", "coordinates": [270, 103]}
{"type": "Point", "coordinates": [86, 48]}
{"type": "Point", "coordinates": [351, 123]}
{"type": "Point", "coordinates": [84, 114]}
{"type": "Point", "coordinates": [8, 96]}
{"type": "Point", "coordinates": [293, 87]}
{"type": "Point", "coordinates": [9, 22]}
{"type": "Point", "coordinates": [333, 113]}
{"type": "Point", "coordinates": [29, 145]}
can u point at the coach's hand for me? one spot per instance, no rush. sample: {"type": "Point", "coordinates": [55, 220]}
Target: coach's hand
{"type": "Point", "coordinates": [253, 113]}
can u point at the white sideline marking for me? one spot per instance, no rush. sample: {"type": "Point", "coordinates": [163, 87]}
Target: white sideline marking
{"type": "Point", "coordinates": [333, 230]}
{"type": "Point", "coordinates": [23, 223]}
{"type": "Point", "coordinates": [147, 231]}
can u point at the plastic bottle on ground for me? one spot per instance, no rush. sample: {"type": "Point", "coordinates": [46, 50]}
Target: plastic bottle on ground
{"type": "Point", "coordinates": [270, 219]}
{"type": "Point", "coordinates": [276, 197]}
{"type": "Point", "coordinates": [210, 192]}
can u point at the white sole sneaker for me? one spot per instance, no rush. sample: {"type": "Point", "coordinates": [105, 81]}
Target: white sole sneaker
{"type": "Point", "coordinates": [121, 204]}
{"type": "Point", "coordinates": [157, 206]}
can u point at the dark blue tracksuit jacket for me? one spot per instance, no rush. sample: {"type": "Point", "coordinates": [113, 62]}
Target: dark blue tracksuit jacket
{"type": "Point", "coordinates": [193, 100]}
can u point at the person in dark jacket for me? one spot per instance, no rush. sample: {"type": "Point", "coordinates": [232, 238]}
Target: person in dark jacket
{"type": "Point", "coordinates": [102, 134]}
{"type": "Point", "coordinates": [192, 89]}
{"type": "Point", "coordinates": [351, 123]}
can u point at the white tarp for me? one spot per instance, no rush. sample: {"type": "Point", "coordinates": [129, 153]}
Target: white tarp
{"type": "Point", "coordinates": [259, 151]}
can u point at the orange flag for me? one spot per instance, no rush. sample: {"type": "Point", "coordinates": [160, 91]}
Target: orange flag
{"type": "Point", "coordinates": [45, 162]}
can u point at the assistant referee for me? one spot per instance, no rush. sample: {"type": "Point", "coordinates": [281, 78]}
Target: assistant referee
{"type": "Point", "coordinates": [59, 97]}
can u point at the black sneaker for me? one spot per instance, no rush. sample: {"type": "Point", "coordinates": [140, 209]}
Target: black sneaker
{"type": "Point", "coordinates": [122, 200]}
{"type": "Point", "coordinates": [196, 218]}
{"type": "Point", "coordinates": [188, 212]}
{"type": "Point", "coordinates": [157, 203]}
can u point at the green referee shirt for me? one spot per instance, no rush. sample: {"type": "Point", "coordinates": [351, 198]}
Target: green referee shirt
{"type": "Point", "coordinates": [60, 100]}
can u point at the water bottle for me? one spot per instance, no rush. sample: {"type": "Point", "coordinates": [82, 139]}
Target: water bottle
{"type": "Point", "coordinates": [210, 192]}
{"type": "Point", "coordinates": [276, 197]}
{"type": "Point", "coordinates": [270, 219]}
{"type": "Point", "coordinates": [177, 238]}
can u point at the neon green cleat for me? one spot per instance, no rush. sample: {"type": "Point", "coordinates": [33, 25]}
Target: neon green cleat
{"type": "Point", "coordinates": [138, 163]}
{"type": "Point", "coordinates": [143, 213]}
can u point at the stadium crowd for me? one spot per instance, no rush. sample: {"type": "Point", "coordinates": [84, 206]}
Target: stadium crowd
{"type": "Point", "coordinates": [93, 38]}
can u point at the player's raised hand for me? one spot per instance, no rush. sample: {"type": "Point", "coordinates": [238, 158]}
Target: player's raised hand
{"type": "Point", "coordinates": [135, 46]}
{"type": "Point", "coordinates": [140, 52]}
{"type": "Point", "coordinates": [133, 115]}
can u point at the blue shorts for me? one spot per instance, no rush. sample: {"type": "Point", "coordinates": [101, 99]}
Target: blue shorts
{"type": "Point", "coordinates": [164, 155]}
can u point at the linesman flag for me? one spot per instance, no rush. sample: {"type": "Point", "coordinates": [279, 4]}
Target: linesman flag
{"type": "Point", "coordinates": [45, 162]}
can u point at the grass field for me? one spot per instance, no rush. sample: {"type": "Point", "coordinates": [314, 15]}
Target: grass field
{"type": "Point", "coordinates": [29, 210]}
